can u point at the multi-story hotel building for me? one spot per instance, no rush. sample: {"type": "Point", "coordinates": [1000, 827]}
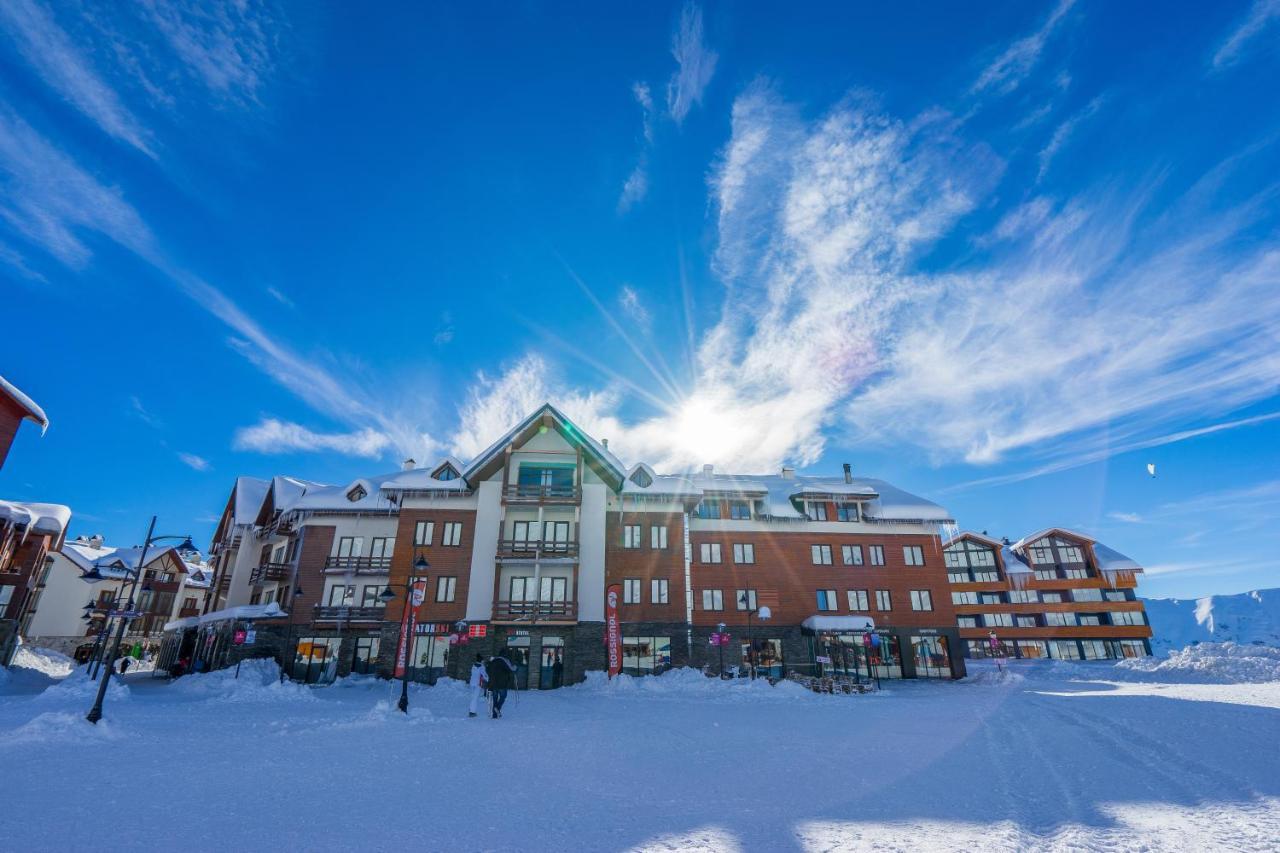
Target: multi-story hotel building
{"type": "Point", "coordinates": [812, 574]}
{"type": "Point", "coordinates": [1055, 593]}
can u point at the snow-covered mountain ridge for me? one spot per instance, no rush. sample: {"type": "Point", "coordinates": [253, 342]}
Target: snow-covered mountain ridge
{"type": "Point", "coordinates": [1247, 618]}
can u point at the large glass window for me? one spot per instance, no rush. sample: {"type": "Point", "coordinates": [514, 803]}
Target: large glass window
{"type": "Point", "coordinates": [315, 659]}
{"type": "Point", "coordinates": [932, 657]}
{"type": "Point", "coordinates": [744, 552]}
{"type": "Point", "coordinates": [821, 554]}
{"type": "Point", "coordinates": [556, 480]}
{"type": "Point", "coordinates": [646, 655]}
{"type": "Point", "coordinates": [631, 590]}
{"type": "Point", "coordinates": [658, 537]}
{"type": "Point", "coordinates": [710, 552]}
{"type": "Point", "coordinates": [851, 555]}
{"type": "Point", "coordinates": [708, 509]}
{"type": "Point", "coordinates": [997, 620]}
{"type": "Point", "coordinates": [658, 593]}
{"type": "Point", "coordinates": [365, 660]}
{"type": "Point", "coordinates": [1064, 650]}
{"type": "Point", "coordinates": [846, 512]}
{"type": "Point", "coordinates": [350, 546]}
{"type": "Point", "coordinates": [342, 595]}
{"type": "Point", "coordinates": [964, 598]}
{"type": "Point", "coordinates": [1127, 617]}
{"type": "Point", "coordinates": [1032, 648]}
{"type": "Point", "coordinates": [1059, 619]}
{"type": "Point", "coordinates": [712, 599]}
{"type": "Point", "coordinates": [1023, 596]}
{"type": "Point", "coordinates": [630, 536]}
{"type": "Point", "coordinates": [380, 547]}
{"type": "Point", "coordinates": [739, 510]}
{"type": "Point", "coordinates": [816, 511]}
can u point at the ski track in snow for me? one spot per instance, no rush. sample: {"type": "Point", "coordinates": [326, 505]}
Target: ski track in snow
{"type": "Point", "coordinates": [1049, 757]}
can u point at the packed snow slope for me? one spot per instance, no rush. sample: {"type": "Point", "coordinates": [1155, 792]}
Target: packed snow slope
{"type": "Point", "coordinates": [1171, 754]}
{"type": "Point", "coordinates": [1246, 618]}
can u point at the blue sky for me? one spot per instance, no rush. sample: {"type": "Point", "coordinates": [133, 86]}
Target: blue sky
{"type": "Point", "coordinates": [1003, 260]}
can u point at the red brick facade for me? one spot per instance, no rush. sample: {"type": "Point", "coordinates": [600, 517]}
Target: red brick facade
{"type": "Point", "coordinates": [646, 563]}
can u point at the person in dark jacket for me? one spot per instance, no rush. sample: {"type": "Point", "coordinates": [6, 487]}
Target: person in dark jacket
{"type": "Point", "coordinates": [557, 672]}
{"type": "Point", "coordinates": [500, 670]}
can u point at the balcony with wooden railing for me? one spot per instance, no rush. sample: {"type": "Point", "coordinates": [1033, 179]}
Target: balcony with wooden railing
{"type": "Point", "coordinates": [532, 493]}
{"type": "Point", "coordinates": [345, 613]}
{"type": "Point", "coordinates": [531, 549]}
{"type": "Point", "coordinates": [535, 612]}
{"type": "Point", "coordinates": [357, 565]}
{"type": "Point", "coordinates": [270, 572]}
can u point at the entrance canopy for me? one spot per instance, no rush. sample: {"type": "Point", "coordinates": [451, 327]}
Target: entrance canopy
{"type": "Point", "coordinates": [839, 624]}
{"type": "Point", "coordinates": [244, 611]}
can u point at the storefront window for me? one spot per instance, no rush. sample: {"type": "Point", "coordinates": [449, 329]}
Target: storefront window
{"type": "Point", "coordinates": [365, 661]}
{"type": "Point", "coordinates": [646, 655]}
{"type": "Point", "coordinates": [315, 660]}
{"type": "Point", "coordinates": [932, 657]}
{"type": "Point", "coordinates": [1032, 649]}
{"type": "Point", "coordinates": [430, 657]}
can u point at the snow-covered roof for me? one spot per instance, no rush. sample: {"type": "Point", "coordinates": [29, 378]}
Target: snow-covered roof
{"type": "Point", "coordinates": [880, 501]}
{"type": "Point", "coordinates": [1048, 531]}
{"type": "Point", "coordinates": [115, 563]}
{"type": "Point", "coordinates": [839, 623]}
{"type": "Point", "coordinates": [658, 484]}
{"type": "Point", "coordinates": [969, 534]}
{"type": "Point", "coordinates": [1013, 562]}
{"type": "Point", "coordinates": [337, 497]}
{"type": "Point", "coordinates": [244, 611]}
{"type": "Point", "coordinates": [420, 479]}
{"type": "Point", "coordinates": [36, 517]}
{"type": "Point", "coordinates": [1111, 560]}
{"type": "Point", "coordinates": [32, 412]}
{"type": "Point", "coordinates": [250, 492]}
{"type": "Point", "coordinates": [595, 447]}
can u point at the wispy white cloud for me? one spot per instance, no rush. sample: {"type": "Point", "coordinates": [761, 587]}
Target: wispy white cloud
{"type": "Point", "coordinates": [444, 331]}
{"type": "Point", "coordinates": [636, 186]}
{"type": "Point", "coordinates": [141, 412]}
{"type": "Point", "coordinates": [196, 462]}
{"type": "Point", "coordinates": [271, 435]}
{"type": "Point", "coordinates": [1126, 517]}
{"type": "Point", "coordinates": [1263, 14]}
{"type": "Point", "coordinates": [279, 296]}
{"type": "Point", "coordinates": [630, 301]}
{"type": "Point", "coordinates": [697, 64]}
{"type": "Point", "coordinates": [1063, 133]}
{"type": "Point", "coordinates": [66, 69]}
{"type": "Point", "coordinates": [640, 90]}
{"type": "Point", "coordinates": [1016, 63]}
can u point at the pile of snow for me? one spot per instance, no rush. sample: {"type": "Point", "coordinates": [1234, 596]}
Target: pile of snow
{"type": "Point", "coordinates": [258, 681]}
{"type": "Point", "coordinates": [986, 672]}
{"type": "Point", "coordinates": [78, 689]}
{"type": "Point", "coordinates": [1206, 663]}
{"type": "Point", "coordinates": [60, 727]}
{"type": "Point", "coordinates": [44, 661]}
{"type": "Point", "coordinates": [1246, 618]}
{"type": "Point", "coordinates": [688, 683]}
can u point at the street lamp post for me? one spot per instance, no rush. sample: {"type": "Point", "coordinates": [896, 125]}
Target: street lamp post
{"type": "Point", "coordinates": [95, 713]}
{"type": "Point", "coordinates": [745, 601]}
{"type": "Point", "coordinates": [420, 565]}
{"type": "Point", "coordinates": [720, 643]}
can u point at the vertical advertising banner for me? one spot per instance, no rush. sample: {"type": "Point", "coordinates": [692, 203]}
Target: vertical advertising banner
{"type": "Point", "coordinates": [613, 628]}
{"type": "Point", "coordinates": [408, 623]}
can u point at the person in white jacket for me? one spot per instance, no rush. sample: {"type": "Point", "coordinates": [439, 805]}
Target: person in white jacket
{"type": "Point", "coordinates": [477, 683]}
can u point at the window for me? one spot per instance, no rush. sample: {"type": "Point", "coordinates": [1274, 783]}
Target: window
{"type": "Point", "coordinates": [553, 480]}
{"type": "Point", "coordinates": [958, 577]}
{"type": "Point", "coordinates": [631, 590]}
{"type": "Point", "coordinates": [446, 587]}
{"type": "Point", "coordinates": [1090, 619]}
{"type": "Point", "coordinates": [1065, 650]}
{"type": "Point", "coordinates": [883, 601]}
{"type": "Point", "coordinates": [658, 537]}
{"type": "Point", "coordinates": [1076, 573]}
{"type": "Point", "coordinates": [350, 546]}
{"type": "Point", "coordinates": [1094, 649]}
{"type": "Point", "coordinates": [746, 599]}
{"type": "Point", "coordinates": [966, 622]}
{"type": "Point", "coordinates": [846, 512]}
{"type": "Point", "coordinates": [452, 533]}
{"type": "Point", "coordinates": [1032, 648]}
{"type": "Point", "coordinates": [1115, 595]}
{"type": "Point", "coordinates": [630, 536]}
{"type": "Point", "coordinates": [997, 620]}
{"type": "Point", "coordinates": [989, 598]}
{"type": "Point", "coordinates": [1059, 619]}
{"type": "Point", "coordinates": [964, 598]}
{"type": "Point", "coordinates": [658, 591]}
{"type": "Point", "coordinates": [851, 555]}
{"type": "Point", "coordinates": [1026, 622]}
{"type": "Point", "coordinates": [366, 657]}
{"type": "Point", "coordinates": [710, 552]}
{"type": "Point", "coordinates": [744, 552]}
{"type": "Point", "coordinates": [188, 603]}
{"type": "Point", "coordinates": [1023, 596]}
{"type": "Point", "coordinates": [369, 596]}
{"type": "Point", "coordinates": [877, 554]}
{"type": "Point", "coordinates": [712, 599]}
{"type": "Point", "coordinates": [1051, 597]}
{"type": "Point", "coordinates": [816, 511]}
{"type": "Point", "coordinates": [953, 558]}
{"type": "Point", "coordinates": [1086, 595]}
{"type": "Point", "coordinates": [827, 600]}
{"type": "Point", "coordinates": [1042, 553]}
{"type": "Point", "coordinates": [858, 599]}
{"type": "Point", "coordinates": [555, 532]}
{"type": "Point", "coordinates": [1127, 617]}
{"type": "Point", "coordinates": [1068, 552]}
{"type": "Point", "coordinates": [646, 655]}
{"type": "Point", "coordinates": [921, 599]}
{"type": "Point", "coordinates": [985, 576]}
{"type": "Point", "coordinates": [1046, 574]}
{"type": "Point", "coordinates": [524, 531]}
{"type": "Point", "coordinates": [739, 510]}
{"type": "Point", "coordinates": [522, 589]}
{"type": "Point", "coordinates": [913, 555]}
{"type": "Point", "coordinates": [708, 509]}
{"type": "Point", "coordinates": [821, 554]}
{"type": "Point", "coordinates": [357, 494]}
{"type": "Point", "coordinates": [424, 532]}
{"type": "Point", "coordinates": [342, 596]}
{"type": "Point", "coordinates": [381, 547]}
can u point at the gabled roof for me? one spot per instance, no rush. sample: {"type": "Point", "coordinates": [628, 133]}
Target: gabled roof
{"type": "Point", "coordinates": [605, 464]}
{"type": "Point", "coordinates": [450, 461]}
{"type": "Point", "coordinates": [283, 493]}
{"type": "Point", "coordinates": [658, 485]}
{"type": "Point", "coordinates": [1049, 531]}
{"type": "Point", "coordinates": [880, 501]}
{"type": "Point", "coordinates": [1111, 560]}
{"type": "Point", "coordinates": [119, 562]}
{"type": "Point", "coordinates": [969, 534]}
{"type": "Point", "coordinates": [246, 499]}
{"type": "Point", "coordinates": [31, 411]}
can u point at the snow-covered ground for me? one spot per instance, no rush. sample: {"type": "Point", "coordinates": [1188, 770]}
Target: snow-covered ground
{"type": "Point", "coordinates": [1156, 755]}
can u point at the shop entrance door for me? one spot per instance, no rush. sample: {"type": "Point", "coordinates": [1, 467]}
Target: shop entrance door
{"type": "Point", "coordinates": [933, 659]}
{"type": "Point", "coordinates": [551, 675]}
{"type": "Point", "coordinates": [519, 647]}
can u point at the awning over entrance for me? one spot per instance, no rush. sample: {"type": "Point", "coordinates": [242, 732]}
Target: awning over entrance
{"type": "Point", "coordinates": [838, 623]}
{"type": "Point", "coordinates": [244, 611]}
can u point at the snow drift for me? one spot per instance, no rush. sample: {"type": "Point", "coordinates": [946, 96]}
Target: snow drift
{"type": "Point", "coordinates": [1206, 663]}
{"type": "Point", "coordinates": [258, 681]}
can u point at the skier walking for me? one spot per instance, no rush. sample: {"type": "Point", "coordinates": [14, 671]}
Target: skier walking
{"type": "Point", "coordinates": [477, 682]}
{"type": "Point", "coordinates": [499, 672]}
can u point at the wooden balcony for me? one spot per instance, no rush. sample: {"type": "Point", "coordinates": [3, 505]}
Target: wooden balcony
{"type": "Point", "coordinates": [188, 611]}
{"type": "Point", "coordinates": [535, 612]}
{"type": "Point", "coordinates": [539, 494]}
{"type": "Point", "coordinates": [270, 572]}
{"type": "Point", "coordinates": [332, 613]}
{"type": "Point", "coordinates": [522, 549]}
{"type": "Point", "coordinates": [357, 565]}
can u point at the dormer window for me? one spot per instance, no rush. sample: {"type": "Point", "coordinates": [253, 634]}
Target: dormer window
{"type": "Point", "coordinates": [446, 472]}
{"type": "Point", "coordinates": [357, 493]}
{"type": "Point", "coordinates": [641, 478]}
{"type": "Point", "coordinates": [816, 510]}
{"type": "Point", "coordinates": [847, 512]}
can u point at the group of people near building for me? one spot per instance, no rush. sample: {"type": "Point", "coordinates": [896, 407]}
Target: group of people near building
{"type": "Point", "coordinates": [493, 679]}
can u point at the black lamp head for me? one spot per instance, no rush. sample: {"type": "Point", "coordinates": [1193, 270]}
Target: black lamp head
{"type": "Point", "coordinates": [387, 594]}
{"type": "Point", "coordinates": [421, 564]}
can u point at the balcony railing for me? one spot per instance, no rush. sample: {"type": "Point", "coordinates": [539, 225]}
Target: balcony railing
{"type": "Point", "coordinates": [529, 549]}
{"type": "Point", "coordinates": [224, 584]}
{"type": "Point", "coordinates": [332, 613]}
{"type": "Point", "coordinates": [188, 611]}
{"type": "Point", "coordinates": [535, 611]}
{"type": "Point", "coordinates": [357, 565]}
{"type": "Point", "coordinates": [267, 572]}
{"type": "Point", "coordinates": [537, 493]}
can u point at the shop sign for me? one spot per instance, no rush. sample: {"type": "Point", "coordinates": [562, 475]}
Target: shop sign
{"type": "Point", "coordinates": [250, 637]}
{"type": "Point", "coordinates": [478, 631]}
{"type": "Point", "coordinates": [408, 625]}
{"type": "Point", "coordinates": [823, 659]}
{"type": "Point", "coordinates": [238, 637]}
{"type": "Point", "coordinates": [613, 628]}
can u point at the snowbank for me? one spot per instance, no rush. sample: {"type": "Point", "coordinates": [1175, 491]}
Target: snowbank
{"type": "Point", "coordinates": [78, 689]}
{"type": "Point", "coordinates": [45, 661]}
{"type": "Point", "coordinates": [687, 683]}
{"type": "Point", "coordinates": [259, 681]}
{"type": "Point", "coordinates": [59, 727]}
{"type": "Point", "coordinates": [1206, 663]}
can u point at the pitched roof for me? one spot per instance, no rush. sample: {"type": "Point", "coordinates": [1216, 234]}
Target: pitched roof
{"type": "Point", "coordinates": [572, 432]}
{"type": "Point", "coordinates": [37, 517]}
{"type": "Point", "coordinates": [881, 501]}
{"type": "Point", "coordinates": [117, 563]}
{"type": "Point", "coordinates": [32, 412]}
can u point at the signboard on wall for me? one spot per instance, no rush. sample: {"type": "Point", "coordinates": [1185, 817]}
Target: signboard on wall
{"type": "Point", "coordinates": [613, 628]}
{"type": "Point", "coordinates": [408, 625]}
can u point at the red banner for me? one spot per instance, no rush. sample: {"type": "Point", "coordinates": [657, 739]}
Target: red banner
{"type": "Point", "coordinates": [613, 629]}
{"type": "Point", "coordinates": [408, 623]}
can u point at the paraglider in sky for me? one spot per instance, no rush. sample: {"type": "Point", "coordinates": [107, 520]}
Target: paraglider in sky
{"type": "Point", "coordinates": [1151, 468]}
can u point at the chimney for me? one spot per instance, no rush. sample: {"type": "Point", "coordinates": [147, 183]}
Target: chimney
{"type": "Point", "coordinates": [95, 541]}
{"type": "Point", "coordinates": [1004, 539]}
{"type": "Point", "coordinates": [708, 470]}
{"type": "Point", "coordinates": [604, 442]}
{"type": "Point", "coordinates": [848, 473]}
{"type": "Point", "coordinates": [407, 465]}
{"type": "Point", "coordinates": [788, 473]}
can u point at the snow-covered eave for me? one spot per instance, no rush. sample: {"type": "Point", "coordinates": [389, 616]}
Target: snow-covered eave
{"type": "Point", "coordinates": [880, 519]}
{"type": "Point", "coordinates": [838, 623]}
{"type": "Point", "coordinates": [1049, 531]}
{"type": "Point", "coordinates": [245, 612]}
{"type": "Point", "coordinates": [31, 411]}
{"type": "Point", "coordinates": [42, 518]}
{"type": "Point", "coordinates": [969, 534]}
